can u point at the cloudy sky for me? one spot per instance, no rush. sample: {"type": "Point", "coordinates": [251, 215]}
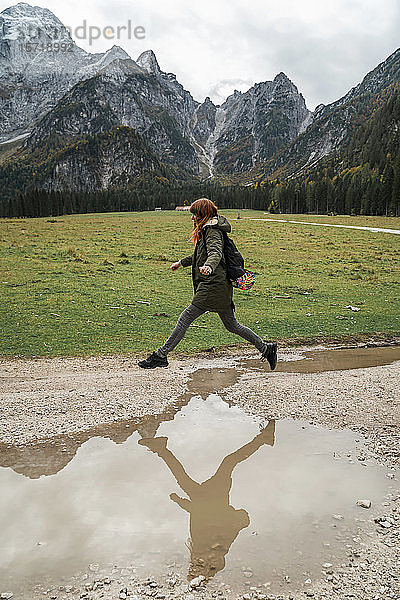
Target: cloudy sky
{"type": "Point", "coordinates": [216, 46]}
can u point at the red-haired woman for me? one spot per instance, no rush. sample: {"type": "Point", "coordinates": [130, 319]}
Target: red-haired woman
{"type": "Point", "coordinates": [212, 288]}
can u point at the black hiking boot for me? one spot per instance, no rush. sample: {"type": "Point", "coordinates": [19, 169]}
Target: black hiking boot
{"type": "Point", "coordinates": [270, 353]}
{"type": "Point", "coordinates": [153, 361]}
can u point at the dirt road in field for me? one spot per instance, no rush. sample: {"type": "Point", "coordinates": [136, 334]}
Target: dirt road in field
{"type": "Point", "coordinates": [373, 229]}
{"type": "Point", "coordinates": [74, 399]}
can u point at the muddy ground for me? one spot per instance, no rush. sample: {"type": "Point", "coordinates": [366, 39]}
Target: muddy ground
{"type": "Point", "coordinates": [69, 400]}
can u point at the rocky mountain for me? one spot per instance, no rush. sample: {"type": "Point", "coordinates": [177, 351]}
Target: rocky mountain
{"type": "Point", "coordinates": [332, 126]}
{"type": "Point", "coordinates": [361, 177]}
{"type": "Point", "coordinates": [249, 127]}
{"type": "Point", "coordinates": [112, 159]}
{"type": "Point", "coordinates": [57, 101]}
{"type": "Point", "coordinates": [374, 82]}
{"type": "Point", "coordinates": [39, 62]}
{"type": "Point", "coordinates": [54, 101]}
{"type": "Point", "coordinates": [122, 95]}
{"type": "Point", "coordinates": [258, 123]}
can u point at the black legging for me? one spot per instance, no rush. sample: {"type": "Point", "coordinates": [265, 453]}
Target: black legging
{"type": "Point", "coordinates": [228, 318]}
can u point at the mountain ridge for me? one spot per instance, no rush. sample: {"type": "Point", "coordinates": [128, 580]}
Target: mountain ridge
{"type": "Point", "coordinates": [264, 133]}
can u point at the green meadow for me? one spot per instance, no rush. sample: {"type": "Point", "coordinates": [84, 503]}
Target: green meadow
{"type": "Point", "coordinates": [93, 284]}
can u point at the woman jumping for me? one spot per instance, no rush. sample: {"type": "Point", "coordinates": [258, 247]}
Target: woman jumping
{"type": "Point", "coordinates": [212, 288]}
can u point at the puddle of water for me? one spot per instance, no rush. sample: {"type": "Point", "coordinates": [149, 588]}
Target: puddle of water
{"type": "Point", "coordinates": [317, 361]}
{"type": "Point", "coordinates": [51, 455]}
{"type": "Point", "coordinates": [204, 485]}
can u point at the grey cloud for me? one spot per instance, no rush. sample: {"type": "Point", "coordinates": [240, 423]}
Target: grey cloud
{"type": "Point", "coordinates": [224, 88]}
{"type": "Point", "coordinates": [214, 47]}
{"type": "Point", "coordinates": [323, 67]}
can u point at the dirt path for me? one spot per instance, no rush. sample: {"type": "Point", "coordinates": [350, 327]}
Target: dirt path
{"type": "Point", "coordinates": [373, 229]}
{"type": "Point", "coordinates": [45, 399]}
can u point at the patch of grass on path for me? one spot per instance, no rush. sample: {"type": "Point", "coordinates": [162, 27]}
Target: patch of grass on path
{"type": "Point", "coordinates": [100, 283]}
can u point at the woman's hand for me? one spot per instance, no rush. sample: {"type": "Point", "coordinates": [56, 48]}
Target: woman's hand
{"type": "Point", "coordinates": [205, 270]}
{"type": "Point", "coordinates": [175, 266]}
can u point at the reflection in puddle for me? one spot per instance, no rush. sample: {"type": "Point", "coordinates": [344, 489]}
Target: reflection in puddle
{"type": "Point", "coordinates": [258, 502]}
{"type": "Point", "coordinates": [214, 523]}
{"type": "Point", "coordinates": [266, 502]}
{"type": "Point", "coordinates": [50, 456]}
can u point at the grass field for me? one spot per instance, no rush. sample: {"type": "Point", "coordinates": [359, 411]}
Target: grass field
{"type": "Point", "coordinates": [101, 284]}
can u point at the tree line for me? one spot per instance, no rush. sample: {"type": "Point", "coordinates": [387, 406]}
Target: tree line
{"type": "Point", "coordinates": [143, 196]}
{"type": "Point", "coordinates": [356, 191]}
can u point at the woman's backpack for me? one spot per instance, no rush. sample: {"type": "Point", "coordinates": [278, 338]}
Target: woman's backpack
{"type": "Point", "coordinates": [235, 271]}
{"type": "Point", "coordinates": [241, 278]}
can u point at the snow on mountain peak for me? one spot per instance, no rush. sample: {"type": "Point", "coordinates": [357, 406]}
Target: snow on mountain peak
{"type": "Point", "coordinates": [116, 52]}
{"type": "Point", "coordinates": [121, 66]}
{"type": "Point", "coordinates": [147, 60]}
{"type": "Point", "coordinates": [24, 12]}
{"type": "Point", "coordinates": [24, 23]}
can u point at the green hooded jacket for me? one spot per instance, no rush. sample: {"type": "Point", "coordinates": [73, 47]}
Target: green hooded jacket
{"type": "Point", "coordinates": [211, 292]}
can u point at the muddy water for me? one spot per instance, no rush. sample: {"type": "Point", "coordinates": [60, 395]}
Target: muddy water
{"type": "Point", "coordinates": [51, 455]}
{"type": "Point", "coordinates": [317, 361]}
{"type": "Point", "coordinates": [203, 486]}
